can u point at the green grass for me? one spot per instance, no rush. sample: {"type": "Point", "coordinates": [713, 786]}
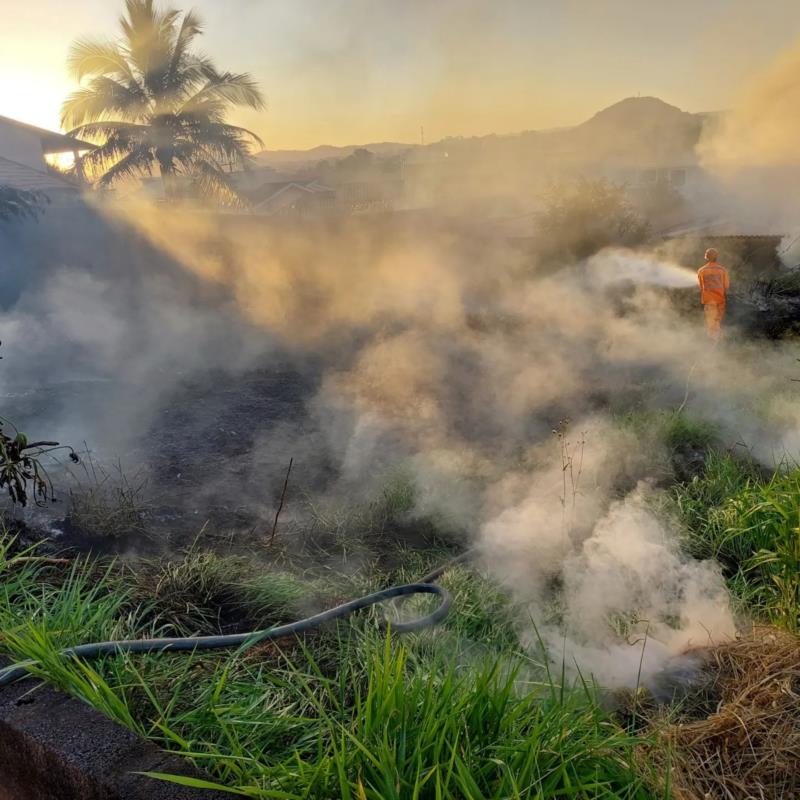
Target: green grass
{"type": "Point", "coordinates": [386, 517]}
{"type": "Point", "coordinates": [677, 431]}
{"type": "Point", "coordinates": [751, 525]}
{"type": "Point", "coordinates": [351, 713]}
{"type": "Point", "coordinates": [453, 712]}
{"type": "Point", "coordinates": [708, 505]}
{"type": "Point", "coordinates": [200, 592]}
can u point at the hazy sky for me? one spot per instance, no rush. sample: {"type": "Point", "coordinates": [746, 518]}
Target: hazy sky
{"type": "Point", "coordinates": [354, 71]}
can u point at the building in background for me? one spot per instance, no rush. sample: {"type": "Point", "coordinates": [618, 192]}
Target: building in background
{"type": "Point", "coordinates": [32, 159]}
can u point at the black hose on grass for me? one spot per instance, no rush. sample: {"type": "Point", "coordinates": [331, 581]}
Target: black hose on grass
{"type": "Point", "coordinates": [191, 643]}
{"type": "Point", "coordinates": [440, 570]}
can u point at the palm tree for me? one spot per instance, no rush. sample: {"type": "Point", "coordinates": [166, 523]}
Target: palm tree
{"type": "Point", "coordinates": [148, 101]}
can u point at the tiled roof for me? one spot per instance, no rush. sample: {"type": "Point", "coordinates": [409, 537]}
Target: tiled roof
{"type": "Point", "coordinates": [267, 191]}
{"type": "Point", "coordinates": [730, 228]}
{"type": "Point", "coordinates": [20, 176]}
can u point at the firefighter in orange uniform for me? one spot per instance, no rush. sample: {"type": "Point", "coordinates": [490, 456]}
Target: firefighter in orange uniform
{"type": "Point", "coordinates": [714, 285]}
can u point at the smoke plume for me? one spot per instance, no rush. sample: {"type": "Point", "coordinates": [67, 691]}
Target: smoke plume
{"type": "Point", "coordinates": [752, 149]}
{"type": "Point", "coordinates": [212, 348]}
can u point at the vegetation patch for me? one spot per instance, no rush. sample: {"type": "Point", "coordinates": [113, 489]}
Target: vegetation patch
{"type": "Point", "coordinates": [351, 713]}
{"type": "Point", "coordinates": [107, 510]}
{"type": "Point", "coordinates": [750, 524]}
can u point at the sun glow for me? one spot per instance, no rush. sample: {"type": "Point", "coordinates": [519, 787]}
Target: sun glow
{"type": "Point", "coordinates": [60, 161]}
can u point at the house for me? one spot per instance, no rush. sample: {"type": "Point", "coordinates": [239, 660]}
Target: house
{"type": "Point", "coordinates": [265, 191]}
{"type": "Point", "coordinates": [750, 249]}
{"type": "Point", "coordinates": [27, 154]}
{"type": "Point", "coordinates": [290, 198]}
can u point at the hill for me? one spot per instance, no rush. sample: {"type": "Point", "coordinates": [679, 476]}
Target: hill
{"type": "Point", "coordinates": [644, 128]}
{"type": "Point", "coordinates": [282, 158]}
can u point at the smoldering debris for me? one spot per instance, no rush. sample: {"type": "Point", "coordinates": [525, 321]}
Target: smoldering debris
{"type": "Point", "coordinates": [736, 734]}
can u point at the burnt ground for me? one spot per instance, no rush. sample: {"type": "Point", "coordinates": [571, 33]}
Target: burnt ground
{"type": "Point", "coordinates": [207, 444]}
{"type": "Point", "coordinates": [214, 450]}
{"type": "Point", "coordinates": [199, 459]}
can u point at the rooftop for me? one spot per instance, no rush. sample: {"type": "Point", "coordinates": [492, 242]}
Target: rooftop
{"type": "Point", "coordinates": [52, 142]}
{"type": "Point", "coordinates": [270, 189]}
{"type": "Point", "coordinates": [20, 176]}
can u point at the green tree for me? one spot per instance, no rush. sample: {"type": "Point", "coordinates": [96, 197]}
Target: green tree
{"type": "Point", "coordinates": [581, 218]}
{"type": "Point", "coordinates": [150, 102]}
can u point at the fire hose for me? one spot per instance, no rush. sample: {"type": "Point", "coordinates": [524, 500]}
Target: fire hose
{"type": "Point", "coordinates": [425, 585]}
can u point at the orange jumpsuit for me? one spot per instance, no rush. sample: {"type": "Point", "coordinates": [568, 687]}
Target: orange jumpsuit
{"type": "Point", "coordinates": [714, 285]}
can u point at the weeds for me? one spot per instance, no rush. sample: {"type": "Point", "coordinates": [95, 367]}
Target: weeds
{"type": "Point", "coordinates": [768, 520]}
{"type": "Point", "coordinates": [571, 469]}
{"type": "Point", "coordinates": [682, 432]}
{"type": "Point", "coordinates": [203, 592]}
{"type": "Point", "coordinates": [677, 431]}
{"type": "Point", "coordinates": [107, 505]}
{"type": "Point", "coordinates": [191, 595]}
{"type": "Point", "coordinates": [751, 525]}
{"type": "Point", "coordinates": [356, 529]}
{"type": "Point", "coordinates": [358, 715]}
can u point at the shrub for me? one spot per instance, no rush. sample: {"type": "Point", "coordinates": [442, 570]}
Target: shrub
{"type": "Point", "coordinates": [582, 218]}
{"type": "Point", "coordinates": [20, 204]}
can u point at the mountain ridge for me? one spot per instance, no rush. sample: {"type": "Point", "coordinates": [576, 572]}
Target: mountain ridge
{"type": "Point", "coordinates": [636, 116]}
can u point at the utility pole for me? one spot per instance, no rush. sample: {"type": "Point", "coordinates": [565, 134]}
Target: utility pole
{"type": "Point", "coordinates": [422, 135]}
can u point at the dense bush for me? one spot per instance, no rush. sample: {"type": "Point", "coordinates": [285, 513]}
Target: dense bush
{"type": "Point", "coordinates": [581, 218]}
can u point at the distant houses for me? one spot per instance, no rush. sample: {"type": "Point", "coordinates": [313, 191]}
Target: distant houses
{"type": "Point", "coordinates": [497, 181]}
{"type": "Point", "coordinates": [290, 198]}
{"type": "Point", "coordinates": [270, 193]}
{"type": "Point", "coordinates": [27, 154]}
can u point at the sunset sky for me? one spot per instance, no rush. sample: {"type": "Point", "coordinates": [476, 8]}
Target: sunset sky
{"type": "Point", "coordinates": [355, 71]}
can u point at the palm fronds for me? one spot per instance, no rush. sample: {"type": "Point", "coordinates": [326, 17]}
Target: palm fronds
{"type": "Point", "coordinates": [152, 104]}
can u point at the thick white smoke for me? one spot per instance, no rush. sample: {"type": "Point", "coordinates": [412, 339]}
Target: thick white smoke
{"type": "Point", "coordinates": [628, 599]}
{"type": "Point", "coordinates": [432, 348]}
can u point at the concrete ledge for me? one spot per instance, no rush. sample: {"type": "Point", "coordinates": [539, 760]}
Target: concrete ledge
{"type": "Point", "coordinates": [53, 747]}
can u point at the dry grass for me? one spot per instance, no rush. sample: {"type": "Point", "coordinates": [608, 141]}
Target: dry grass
{"type": "Point", "coordinates": [749, 745]}
{"type": "Point", "coordinates": [107, 506]}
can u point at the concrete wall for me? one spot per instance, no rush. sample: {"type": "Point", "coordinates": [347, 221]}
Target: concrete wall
{"type": "Point", "coordinates": [53, 747]}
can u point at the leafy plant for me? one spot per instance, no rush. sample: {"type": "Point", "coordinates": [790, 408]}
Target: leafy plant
{"type": "Point", "coordinates": [21, 470]}
{"type": "Point", "coordinates": [20, 204]}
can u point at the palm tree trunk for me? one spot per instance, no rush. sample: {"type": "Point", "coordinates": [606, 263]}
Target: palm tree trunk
{"type": "Point", "coordinates": [169, 179]}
